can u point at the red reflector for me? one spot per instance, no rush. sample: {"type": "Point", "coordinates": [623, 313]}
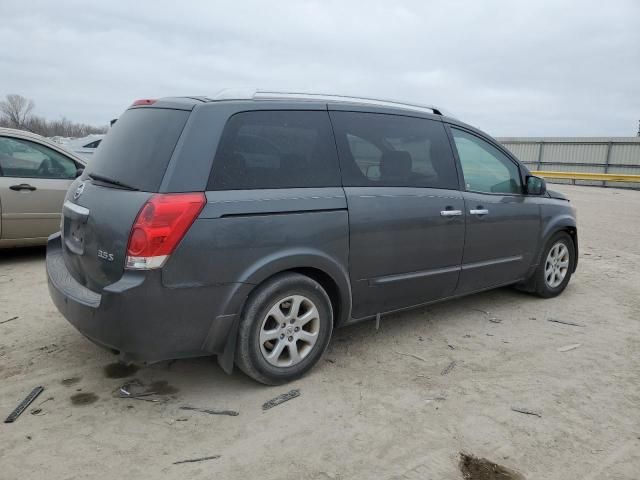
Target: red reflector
{"type": "Point", "coordinates": [160, 225]}
{"type": "Point", "coordinates": [144, 101]}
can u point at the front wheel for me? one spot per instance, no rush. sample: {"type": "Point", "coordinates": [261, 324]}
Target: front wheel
{"type": "Point", "coordinates": [285, 328]}
{"type": "Point", "coordinates": [554, 272]}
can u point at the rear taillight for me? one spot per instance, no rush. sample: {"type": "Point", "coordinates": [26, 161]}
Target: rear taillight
{"type": "Point", "coordinates": [159, 227]}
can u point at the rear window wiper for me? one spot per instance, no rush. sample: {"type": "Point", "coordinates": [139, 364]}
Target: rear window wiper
{"type": "Point", "coordinates": [111, 181]}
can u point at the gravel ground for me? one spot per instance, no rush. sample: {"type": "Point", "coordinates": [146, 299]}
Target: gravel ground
{"type": "Point", "coordinates": [400, 402]}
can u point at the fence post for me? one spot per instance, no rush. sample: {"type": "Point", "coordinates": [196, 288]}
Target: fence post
{"type": "Point", "coordinates": [606, 162]}
{"type": "Point", "coordinates": [540, 155]}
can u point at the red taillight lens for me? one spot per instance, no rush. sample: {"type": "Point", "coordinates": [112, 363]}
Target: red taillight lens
{"type": "Point", "coordinates": [159, 227]}
{"type": "Point", "coordinates": [144, 101]}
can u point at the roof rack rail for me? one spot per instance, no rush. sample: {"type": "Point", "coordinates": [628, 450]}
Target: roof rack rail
{"type": "Point", "coordinates": [257, 94]}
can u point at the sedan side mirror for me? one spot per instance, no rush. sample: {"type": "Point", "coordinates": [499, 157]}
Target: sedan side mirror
{"type": "Point", "coordinates": [536, 185]}
{"type": "Point", "coordinates": [79, 171]}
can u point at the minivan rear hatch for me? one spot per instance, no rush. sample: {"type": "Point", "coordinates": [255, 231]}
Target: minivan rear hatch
{"type": "Point", "coordinates": [101, 206]}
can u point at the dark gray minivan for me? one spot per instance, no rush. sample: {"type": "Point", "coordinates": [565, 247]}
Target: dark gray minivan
{"type": "Point", "coordinates": [251, 226]}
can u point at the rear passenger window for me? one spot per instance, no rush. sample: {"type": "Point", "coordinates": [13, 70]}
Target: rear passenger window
{"type": "Point", "coordinates": [392, 150]}
{"type": "Point", "coordinates": [276, 149]}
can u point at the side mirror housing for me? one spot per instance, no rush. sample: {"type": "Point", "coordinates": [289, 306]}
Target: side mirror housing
{"type": "Point", "coordinates": [79, 171]}
{"type": "Point", "coordinates": [536, 185]}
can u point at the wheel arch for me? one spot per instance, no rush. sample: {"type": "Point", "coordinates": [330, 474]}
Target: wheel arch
{"type": "Point", "coordinates": [319, 266]}
{"type": "Point", "coordinates": [563, 223]}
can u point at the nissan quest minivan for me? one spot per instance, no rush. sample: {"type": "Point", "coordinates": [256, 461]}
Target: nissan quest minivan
{"type": "Point", "coordinates": [251, 226]}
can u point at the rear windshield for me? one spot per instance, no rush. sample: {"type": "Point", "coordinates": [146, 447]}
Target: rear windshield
{"type": "Point", "coordinates": [136, 151]}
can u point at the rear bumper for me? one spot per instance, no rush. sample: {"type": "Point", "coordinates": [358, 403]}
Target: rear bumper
{"type": "Point", "coordinates": [141, 318]}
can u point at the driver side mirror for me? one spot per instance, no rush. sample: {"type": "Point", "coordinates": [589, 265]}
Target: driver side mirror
{"type": "Point", "coordinates": [79, 171]}
{"type": "Point", "coordinates": [536, 185]}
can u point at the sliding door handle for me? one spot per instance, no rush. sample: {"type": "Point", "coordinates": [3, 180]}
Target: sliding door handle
{"type": "Point", "coordinates": [451, 213]}
{"type": "Point", "coordinates": [480, 211]}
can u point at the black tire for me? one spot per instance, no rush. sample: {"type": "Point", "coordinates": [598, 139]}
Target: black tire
{"type": "Point", "coordinates": [249, 356]}
{"type": "Point", "coordinates": [542, 288]}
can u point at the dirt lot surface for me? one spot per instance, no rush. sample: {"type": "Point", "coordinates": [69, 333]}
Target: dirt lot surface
{"type": "Point", "coordinates": [400, 402]}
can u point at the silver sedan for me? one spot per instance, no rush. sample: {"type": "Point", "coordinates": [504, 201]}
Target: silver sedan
{"type": "Point", "coordinates": [35, 174]}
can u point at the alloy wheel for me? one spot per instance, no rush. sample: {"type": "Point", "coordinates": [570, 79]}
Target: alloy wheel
{"type": "Point", "coordinates": [289, 331]}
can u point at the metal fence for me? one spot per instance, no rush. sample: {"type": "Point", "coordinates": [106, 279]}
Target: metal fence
{"type": "Point", "coordinates": [618, 155]}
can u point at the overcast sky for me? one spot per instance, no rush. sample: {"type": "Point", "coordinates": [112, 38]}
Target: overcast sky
{"type": "Point", "coordinates": [511, 68]}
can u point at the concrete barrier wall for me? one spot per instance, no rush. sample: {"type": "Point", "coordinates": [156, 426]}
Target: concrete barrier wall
{"type": "Point", "coordinates": [579, 154]}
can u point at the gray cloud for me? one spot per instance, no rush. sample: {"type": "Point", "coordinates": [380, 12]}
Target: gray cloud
{"type": "Point", "coordinates": [510, 68]}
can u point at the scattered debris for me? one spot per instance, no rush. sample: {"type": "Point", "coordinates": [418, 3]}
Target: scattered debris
{"type": "Point", "coordinates": [329, 360]}
{"type": "Point", "coordinates": [133, 389]}
{"type": "Point", "coordinates": [120, 370]}
{"type": "Point", "coordinates": [151, 400]}
{"type": "Point", "coordinates": [474, 468]}
{"type": "Point", "coordinates": [377, 321]}
{"type": "Point", "coordinates": [84, 398]}
{"type": "Point", "coordinates": [9, 320]}
{"type": "Point", "coordinates": [490, 335]}
{"type": "Point", "coordinates": [495, 320]}
{"type": "Point", "coordinates": [532, 318]}
{"type": "Point", "coordinates": [451, 346]}
{"type": "Point", "coordinates": [566, 348]}
{"type": "Point", "coordinates": [50, 348]}
{"type": "Point", "coordinates": [448, 368]}
{"type": "Point", "coordinates": [466, 336]}
{"type": "Point", "coordinates": [480, 310]}
{"type": "Point", "coordinates": [526, 411]}
{"type": "Point", "coordinates": [193, 460]}
{"type": "Point", "coordinates": [35, 411]}
{"type": "Point", "coordinates": [410, 355]}
{"type": "Point", "coordinates": [68, 382]}
{"type": "Point", "coordinates": [438, 399]}
{"type": "Point", "coordinates": [162, 387]}
{"type": "Point", "coordinates": [554, 320]}
{"type": "Point", "coordinates": [231, 413]}
{"type": "Point", "coordinates": [182, 419]}
{"type": "Point", "coordinates": [420, 338]}
{"type": "Point", "coordinates": [137, 390]}
{"type": "Point", "coordinates": [23, 405]}
{"type": "Point", "coordinates": [274, 402]}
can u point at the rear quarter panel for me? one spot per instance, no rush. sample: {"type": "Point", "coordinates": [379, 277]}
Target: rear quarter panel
{"type": "Point", "coordinates": [244, 237]}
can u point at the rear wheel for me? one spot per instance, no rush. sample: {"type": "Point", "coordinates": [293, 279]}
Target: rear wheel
{"type": "Point", "coordinates": [285, 328]}
{"type": "Point", "coordinates": [554, 271]}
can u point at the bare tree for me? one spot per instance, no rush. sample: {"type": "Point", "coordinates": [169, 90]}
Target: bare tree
{"type": "Point", "coordinates": [17, 110]}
